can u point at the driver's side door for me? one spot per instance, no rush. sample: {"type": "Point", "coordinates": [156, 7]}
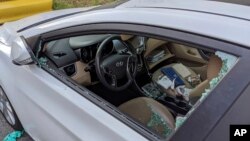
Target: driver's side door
{"type": "Point", "coordinates": [51, 107]}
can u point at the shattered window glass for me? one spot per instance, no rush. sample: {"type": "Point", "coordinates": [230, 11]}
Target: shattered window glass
{"type": "Point", "coordinates": [228, 61]}
{"type": "Point", "coordinates": [158, 124]}
{"type": "Point", "coordinates": [42, 61]}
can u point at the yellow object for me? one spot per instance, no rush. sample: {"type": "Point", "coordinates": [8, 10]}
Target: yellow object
{"type": "Point", "coordinates": [11, 10]}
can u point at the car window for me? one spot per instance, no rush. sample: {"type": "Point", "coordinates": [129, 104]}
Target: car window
{"type": "Point", "coordinates": [157, 83]}
{"type": "Point", "coordinates": [228, 61]}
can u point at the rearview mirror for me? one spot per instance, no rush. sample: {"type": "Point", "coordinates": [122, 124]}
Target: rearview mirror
{"type": "Point", "coordinates": [19, 52]}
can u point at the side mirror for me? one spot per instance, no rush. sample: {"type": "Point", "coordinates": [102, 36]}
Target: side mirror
{"type": "Point", "coordinates": [19, 52]}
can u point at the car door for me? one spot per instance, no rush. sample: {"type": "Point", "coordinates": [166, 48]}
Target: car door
{"type": "Point", "coordinates": [200, 121]}
{"type": "Point", "coordinates": [51, 107]}
{"type": "Point", "coordinates": [51, 110]}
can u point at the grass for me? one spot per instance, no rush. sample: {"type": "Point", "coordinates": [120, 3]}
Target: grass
{"type": "Point", "coordinates": [62, 4]}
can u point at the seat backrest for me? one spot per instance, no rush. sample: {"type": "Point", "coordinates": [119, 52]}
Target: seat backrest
{"type": "Point", "coordinates": [213, 69]}
{"type": "Point", "coordinates": [150, 113]}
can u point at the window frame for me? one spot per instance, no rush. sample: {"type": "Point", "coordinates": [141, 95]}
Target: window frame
{"type": "Point", "coordinates": [186, 38]}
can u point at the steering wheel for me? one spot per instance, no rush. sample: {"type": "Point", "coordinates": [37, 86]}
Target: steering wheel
{"type": "Point", "coordinates": [115, 66]}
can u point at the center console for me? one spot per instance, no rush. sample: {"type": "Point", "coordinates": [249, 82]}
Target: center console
{"type": "Point", "coordinates": [178, 104]}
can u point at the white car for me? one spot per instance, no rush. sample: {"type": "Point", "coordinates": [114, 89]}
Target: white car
{"type": "Point", "coordinates": [134, 70]}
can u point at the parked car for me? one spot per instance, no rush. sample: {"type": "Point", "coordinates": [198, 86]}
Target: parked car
{"type": "Point", "coordinates": [134, 70]}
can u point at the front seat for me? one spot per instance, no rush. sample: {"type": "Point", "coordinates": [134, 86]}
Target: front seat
{"type": "Point", "coordinates": [150, 113]}
{"type": "Point", "coordinates": [213, 69]}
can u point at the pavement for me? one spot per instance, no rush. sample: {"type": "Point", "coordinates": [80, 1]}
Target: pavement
{"type": "Point", "coordinates": [5, 129]}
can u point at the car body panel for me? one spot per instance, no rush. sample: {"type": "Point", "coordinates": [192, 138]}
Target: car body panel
{"type": "Point", "coordinates": [70, 116]}
{"type": "Point", "coordinates": [9, 30]}
{"type": "Point", "coordinates": [237, 115]}
{"type": "Point", "coordinates": [205, 23]}
{"type": "Point", "coordinates": [237, 30]}
{"type": "Point", "coordinates": [203, 6]}
{"type": "Point", "coordinates": [50, 110]}
{"type": "Point", "coordinates": [220, 95]}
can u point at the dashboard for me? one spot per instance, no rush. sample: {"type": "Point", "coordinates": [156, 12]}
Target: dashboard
{"type": "Point", "coordinates": [66, 51]}
{"type": "Point", "coordinates": [75, 55]}
{"type": "Point", "coordinates": [70, 54]}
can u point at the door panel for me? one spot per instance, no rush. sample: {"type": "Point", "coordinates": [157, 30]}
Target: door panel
{"type": "Point", "coordinates": [49, 110]}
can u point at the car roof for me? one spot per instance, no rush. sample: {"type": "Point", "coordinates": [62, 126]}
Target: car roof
{"type": "Point", "coordinates": [212, 7]}
{"type": "Point", "coordinates": [219, 20]}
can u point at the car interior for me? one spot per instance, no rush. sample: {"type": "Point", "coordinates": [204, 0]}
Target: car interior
{"type": "Point", "coordinates": [150, 80]}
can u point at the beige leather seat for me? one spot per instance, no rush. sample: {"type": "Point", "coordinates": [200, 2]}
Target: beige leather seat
{"type": "Point", "coordinates": [213, 68]}
{"type": "Point", "coordinates": [151, 114]}
{"type": "Point", "coordinates": [155, 115]}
